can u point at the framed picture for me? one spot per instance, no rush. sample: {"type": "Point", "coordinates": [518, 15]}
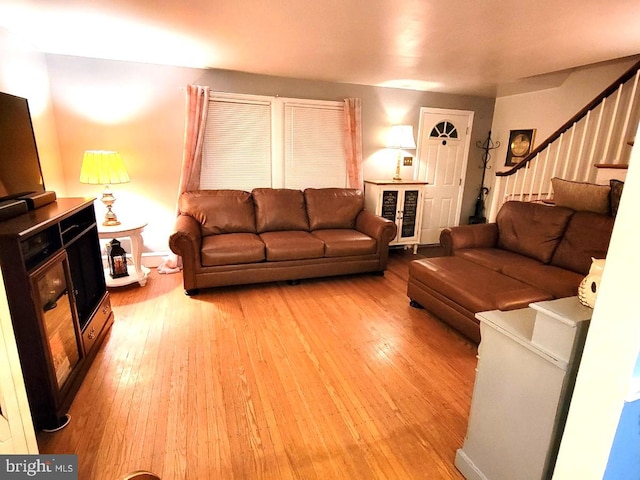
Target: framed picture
{"type": "Point", "coordinates": [519, 146]}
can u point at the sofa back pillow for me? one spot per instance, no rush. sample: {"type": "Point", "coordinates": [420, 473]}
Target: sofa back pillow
{"type": "Point", "coordinates": [279, 209]}
{"type": "Point", "coordinates": [532, 229]}
{"type": "Point", "coordinates": [581, 195]}
{"type": "Point", "coordinates": [220, 211]}
{"type": "Point", "coordinates": [333, 207]}
{"type": "Point", "coordinates": [587, 235]}
{"type": "Point", "coordinates": [616, 187]}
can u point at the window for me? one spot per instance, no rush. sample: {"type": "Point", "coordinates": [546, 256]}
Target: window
{"type": "Point", "coordinates": [255, 141]}
{"type": "Point", "coordinates": [314, 153]}
{"type": "Point", "coordinates": [237, 145]}
{"type": "Point", "coordinates": [444, 129]}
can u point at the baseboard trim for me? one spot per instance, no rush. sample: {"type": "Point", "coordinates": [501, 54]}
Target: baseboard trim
{"type": "Point", "coordinates": [466, 466]}
{"type": "Point", "coordinates": [153, 259]}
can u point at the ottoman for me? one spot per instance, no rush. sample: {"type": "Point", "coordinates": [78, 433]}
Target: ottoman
{"type": "Point", "coordinates": [454, 290]}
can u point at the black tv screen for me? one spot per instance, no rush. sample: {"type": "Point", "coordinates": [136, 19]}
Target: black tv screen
{"type": "Point", "coordinates": [20, 172]}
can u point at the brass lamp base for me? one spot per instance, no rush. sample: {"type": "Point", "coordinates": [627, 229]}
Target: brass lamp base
{"type": "Point", "coordinates": [396, 177]}
{"type": "Point", "coordinates": [110, 218]}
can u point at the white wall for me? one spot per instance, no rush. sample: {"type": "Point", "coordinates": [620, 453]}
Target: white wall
{"type": "Point", "coordinates": [23, 72]}
{"type": "Point", "coordinates": [611, 350]}
{"type": "Point", "coordinates": [17, 434]}
{"type": "Point", "coordinates": [138, 109]}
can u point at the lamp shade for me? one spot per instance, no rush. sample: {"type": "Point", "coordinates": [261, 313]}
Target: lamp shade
{"type": "Point", "coordinates": [401, 136]}
{"type": "Point", "coordinates": [102, 167]}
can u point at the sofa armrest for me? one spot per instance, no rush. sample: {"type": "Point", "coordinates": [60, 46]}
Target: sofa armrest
{"type": "Point", "coordinates": [481, 235]}
{"type": "Point", "coordinates": [377, 227]}
{"type": "Point", "coordinates": [186, 238]}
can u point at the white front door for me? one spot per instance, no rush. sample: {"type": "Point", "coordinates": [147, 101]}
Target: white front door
{"type": "Point", "coordinates": [443, 151]}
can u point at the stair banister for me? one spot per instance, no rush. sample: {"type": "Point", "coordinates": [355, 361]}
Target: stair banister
{"type": "Point", "coordinates": [599, 135]}
{"type": "Point", "coordinates": [628, 75]}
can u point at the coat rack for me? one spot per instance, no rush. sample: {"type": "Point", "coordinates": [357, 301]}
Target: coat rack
{"type": "Point", "coordinates": [487, 146]}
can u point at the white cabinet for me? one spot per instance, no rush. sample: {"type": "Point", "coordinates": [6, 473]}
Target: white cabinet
{"type": "Point", "coordinates": [401, 202]}
{"type": "Point", "coordinates": [527, 363]}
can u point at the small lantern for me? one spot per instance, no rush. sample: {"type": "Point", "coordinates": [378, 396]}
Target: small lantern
{"type": "Point", "coordinates": [117, 258]}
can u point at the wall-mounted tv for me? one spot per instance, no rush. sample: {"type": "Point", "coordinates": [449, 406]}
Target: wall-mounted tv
{"type": "Point", "coordinates": [20, 172]}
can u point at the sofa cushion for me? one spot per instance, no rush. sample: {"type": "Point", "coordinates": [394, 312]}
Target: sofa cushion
{"type": "Point", "coordinates": [232, 249]}
{"type": "Point", "coordinates": [495, 258]}
{"type": "Point", "coordinates": [581, 195]}
{"type": "Point", "coordinates": [587, 236]}
{"type": "Point", "coordinates": [220, 211]}
{"type": "Point", "coordinates": [292, 245]}
{"type": "Point", "coordinates": [558, 282]}
{"type": "Point", "coordinates": [532, 229]}
{"type": "Point", "coordinates": [344, 242]}
{"type": "Point", "coordinates": [279, 209]}
{"type": "Point", "coordinates": [333, 207]}
{"type": "Point", "coordinates": [473, 286]}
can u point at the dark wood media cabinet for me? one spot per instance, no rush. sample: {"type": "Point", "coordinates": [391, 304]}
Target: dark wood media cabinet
{"type": "Point", "coordinates": [59, 305]}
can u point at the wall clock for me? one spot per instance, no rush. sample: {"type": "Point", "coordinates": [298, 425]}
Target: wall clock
{"type": "Point", "coordinates": [519, 146]}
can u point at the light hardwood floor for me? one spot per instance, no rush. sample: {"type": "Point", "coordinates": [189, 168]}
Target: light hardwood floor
{"type": "Point", "coordinates": [335, 378]}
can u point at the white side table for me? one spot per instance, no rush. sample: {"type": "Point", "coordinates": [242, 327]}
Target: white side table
{"type": "Point", "coordinates": [137, 272]}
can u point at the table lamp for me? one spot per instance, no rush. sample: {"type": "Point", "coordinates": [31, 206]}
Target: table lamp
{"type": "Point", "coordinates": [401, 138]}
{"type": "Point", "coordinates": [102, 167]}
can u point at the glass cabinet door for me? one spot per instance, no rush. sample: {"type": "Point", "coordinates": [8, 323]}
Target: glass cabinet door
{"type": "Point", "coordinates": [389, 205]}
{"type": "Point", "coordinates": [409, 213]}
{"type": "Point", "coordinates": [59, 326]}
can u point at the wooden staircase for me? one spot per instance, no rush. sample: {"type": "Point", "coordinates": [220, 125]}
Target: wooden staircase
{"type": "Point", "coordinates": [601, 134]}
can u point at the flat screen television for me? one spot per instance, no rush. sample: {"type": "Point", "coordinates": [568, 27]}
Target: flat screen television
{"type": "Point", "coordinates": [20, 172]}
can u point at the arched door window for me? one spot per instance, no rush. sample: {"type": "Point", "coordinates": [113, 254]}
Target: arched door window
{"type": "Point", "coordinates": [444, 130]}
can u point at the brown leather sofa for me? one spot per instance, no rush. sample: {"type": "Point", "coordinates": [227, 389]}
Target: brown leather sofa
{"type": "Point", "coordinates": [233, 237]}
{"type": "Point", "coordinates": [533, 252]}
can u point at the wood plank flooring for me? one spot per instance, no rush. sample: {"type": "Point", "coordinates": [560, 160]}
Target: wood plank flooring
{"type": "Point", "coordinates": [335, 378]}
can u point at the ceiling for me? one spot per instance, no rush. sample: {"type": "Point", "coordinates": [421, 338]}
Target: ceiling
{"type": "Point", "coordinates": [455, 46]}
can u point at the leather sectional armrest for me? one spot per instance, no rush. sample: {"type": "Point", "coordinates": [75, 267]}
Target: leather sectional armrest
{"type": "Point", "coordinates": [482, 235]}
{"type": "Point", "coordinates": [381, 229]}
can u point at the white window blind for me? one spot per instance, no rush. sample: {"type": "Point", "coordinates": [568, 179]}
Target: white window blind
{"type": "Point", "coordinates": [237, 145]}
{"type": "Point", "coordinates": [255, 141]}
{"type": "Point", "coordinates": [314, 153]}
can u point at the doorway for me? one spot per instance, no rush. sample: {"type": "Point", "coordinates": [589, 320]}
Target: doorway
{"type": "Point", "coordinates": [443, 151]}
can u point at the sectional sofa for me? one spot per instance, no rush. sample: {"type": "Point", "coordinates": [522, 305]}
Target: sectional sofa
{"type": "Point", "coordinates": [533, 252]}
